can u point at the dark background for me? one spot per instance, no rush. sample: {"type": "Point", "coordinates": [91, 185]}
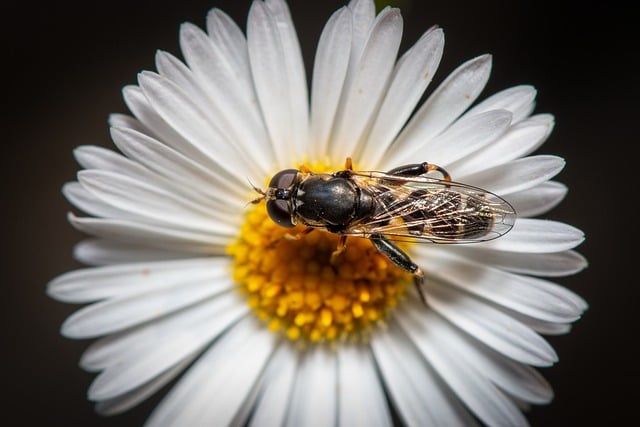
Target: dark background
{"type": "Point", "coordinates": [67, 63]}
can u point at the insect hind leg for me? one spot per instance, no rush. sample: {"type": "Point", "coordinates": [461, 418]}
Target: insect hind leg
{"type": "Point", "coordinates": [415, 221]}
{"type": "Point", "coordinates": [399, 258]}
{"type": "Point", "coordinates": [417, 169]}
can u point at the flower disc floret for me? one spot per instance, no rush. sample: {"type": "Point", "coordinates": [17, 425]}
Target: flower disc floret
{"type": "Point", "coordinates": [293, 284]}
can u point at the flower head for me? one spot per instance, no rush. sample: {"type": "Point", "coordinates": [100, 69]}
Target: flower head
{"type": "Point", "coordinates": [271, 325]}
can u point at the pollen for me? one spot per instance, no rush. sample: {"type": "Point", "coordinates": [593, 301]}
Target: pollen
{"type": "Point", "coordinates": [293, 284]}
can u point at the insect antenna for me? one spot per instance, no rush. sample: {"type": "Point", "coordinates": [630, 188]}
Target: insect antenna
{"type": "Point", "coordinates": [263, 195]}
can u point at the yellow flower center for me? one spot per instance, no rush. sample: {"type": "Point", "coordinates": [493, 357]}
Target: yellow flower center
{"type": "Point", "coordinates": [294, 285]}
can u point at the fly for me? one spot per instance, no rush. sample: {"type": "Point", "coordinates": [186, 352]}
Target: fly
{"type": "Point", "coordinates": [403, 204]}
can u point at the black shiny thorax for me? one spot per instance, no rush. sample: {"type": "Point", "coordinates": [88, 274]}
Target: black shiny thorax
{"type": "Point", "coordinates": [331, 201]}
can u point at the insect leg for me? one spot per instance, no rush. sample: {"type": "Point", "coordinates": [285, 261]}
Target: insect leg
{"type": "Point", "coordinates": [305, 169]}
{"type": "Point", "coordinates": [402, 260]}
{"type": "Point", "coordinates": [342, 245]}
{"type": "Point", "coordinates": [348, 164]}
{"type": "Point", "coordinates": [417, 169]}
{"type": "Point", "coordinates": [289, 236]}
{"type": "Point", "coordinates": [299, 235]}
{"type": "Point", "coordinates": [348, 170]}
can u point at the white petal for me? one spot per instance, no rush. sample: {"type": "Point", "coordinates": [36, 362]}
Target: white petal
{"type": "Point", "coordinates": [519, 100]}
{"type": "Point", "coordinates": [148, 201]}
{"type": "Point", "coordinates": [554, 264]}
{"type": "Point", "coordinates": [229, 38]}
{"type": "Point", "coordinates": [175, 70]}
{"type": "Point", "coordinates": [277, 386]}
{"type": "Point", "coordinates": [329, 73]}
{"type": "Point", "coordinates": [364, 14]}
{"type": "Point", "coordinates": [93, 284]}
{"type": "Point", "coordinates": [214, 314]}
{"type": "Point", "coordinates": [492, 327]}
{"type": "Point", "coordinates": [517, 175]}
{"type": "Point", "coordinates": [137, 144]}
{"type": "Point", "coordinates": [361, 397]}
{"type": "Point", "coordinates": [517, 379]}
{"type": "Point", "coordinates": [538, 200]}
{"type": "Point", "coordinates": [94, 157]}
{"type": "Point", "coordinates": [416, 391]}
{"type": "Point", "coordinates": [244, 412]}
{"type": "Point", "coordinates": [159, 237]}
{"type": "Point", "coordinates": [107, 252]}
{"type": "Point", "coordinates": [214, 65]}
{"type": "Point", "coordinates": [463, 137]}
{"type": "Point", "coordinates": [82, 199]}
{"type": "Point", "coordinates": [272, 68]}
{"type": "Point", "coordinates": [107, 317]}
{"type": "Point", "coordinates": [520, 140]}
{"type": "Point", "coordinates": [126, 401]}
{"type": "Point", "coordinates": [473, 387]}
{"type": "Point", "coordinates": [295, 73]}
{"type": "Point", "coordinates": [139, 105]}
{"type": "Point", "coordinates": [444, 105]}
{"type": "Point", "coordinates": [542, 327]}
{"type": "Point", "coordinates": [362, 95]}
{"type": "Point", "coordinates": [181, 174]}
{"type": "Point", "coordinates": [228, 93]}
{"type": "Point", "coordinates": [317, 377]}
{"type": "Point", "coordinates": [164, 353]}
{"type": "Point", "coordinates": [411, 76]}
{"type": "Point", "coordinates": [179, 74]}
{"type": "Point", "coordinates": [196, 123]}
{"type": "Point", "coordinates": [537, 236]}
{"type": "Point", "coordinates": [528, 295]}
{"type": "Point", "coordinates": [127, 122]}
{"type": "Point", "coordinates": [238, 359]}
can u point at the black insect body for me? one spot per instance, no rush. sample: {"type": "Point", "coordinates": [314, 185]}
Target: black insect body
{"type": "Point", "coordinates": [403, 204]}
{"type": "Point", "coordinates": [332, 202]}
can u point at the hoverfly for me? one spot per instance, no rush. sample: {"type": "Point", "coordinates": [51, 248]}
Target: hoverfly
{"type": "Point", "coordinates": [403, 204]}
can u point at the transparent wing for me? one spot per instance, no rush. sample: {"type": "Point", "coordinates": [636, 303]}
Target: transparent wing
{"type": "Point", "coordinates": [424, 208]}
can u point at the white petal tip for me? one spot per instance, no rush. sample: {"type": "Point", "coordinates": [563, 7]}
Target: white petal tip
{"type": "Point", "coordinates": [161, 54]}
{"type": "Point", "coordinates": [187, 26]}
{"type": "Point", "coordinates": [69, 329]}
{"type": "Point", "coordinates": [52, 290]}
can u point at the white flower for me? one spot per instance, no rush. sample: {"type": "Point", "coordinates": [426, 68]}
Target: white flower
{"type": "Point", "coordinates": [174, 238]}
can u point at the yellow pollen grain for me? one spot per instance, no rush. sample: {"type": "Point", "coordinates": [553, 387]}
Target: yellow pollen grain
{"type": "Point", "coordinates": [295, 287]}
{"type": "Point", "coordinates": [271, 291]}
{"type": "Point", "coordinates": [293, 333]}
{"type": "Point", "coordinates": [357, 310]}
{"type": "Point", "coordinates": [326, 317]}
{"type": "Point", "coordinates": [365, 296]}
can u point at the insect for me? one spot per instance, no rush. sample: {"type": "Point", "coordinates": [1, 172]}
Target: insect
{"type": "Point", "coordinates": [403, 204]}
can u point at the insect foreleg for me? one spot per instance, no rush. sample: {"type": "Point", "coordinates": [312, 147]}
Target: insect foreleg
{"type": "Point", "coordinates": [348, 164]}
{"type": "Point", "coordinates": [288, 236]}
{"type": "Point", "coordinates": [305, 169]}
{"type": "Point", "coordinates": [418, 169]}
{"type": "Point", "coordinates": [402, 260]}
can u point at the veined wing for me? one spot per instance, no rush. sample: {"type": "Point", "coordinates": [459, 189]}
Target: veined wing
{"type": "Point", "coordinates": [425, 208]}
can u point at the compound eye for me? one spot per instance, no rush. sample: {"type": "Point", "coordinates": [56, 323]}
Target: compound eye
{"type": "Point", "coordinates": [278, 210]}
{"type": "Point", "coordinates": [283, 179]}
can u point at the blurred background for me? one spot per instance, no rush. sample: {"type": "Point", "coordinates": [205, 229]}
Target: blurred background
{"type": "Point", "coordinates": [68, 62]}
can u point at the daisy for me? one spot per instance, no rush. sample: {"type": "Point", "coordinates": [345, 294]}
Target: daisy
{"type": "Point", "coordinates": [190, 282]}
